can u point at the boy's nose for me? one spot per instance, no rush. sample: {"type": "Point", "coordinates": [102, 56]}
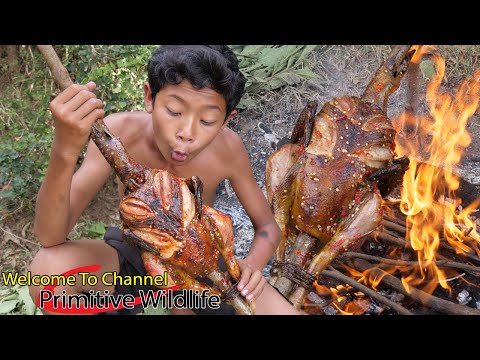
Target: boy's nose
{"type": "Point", "coordinates": [185, 138]}
{"type": "Point", "coordinates": [185, 134]}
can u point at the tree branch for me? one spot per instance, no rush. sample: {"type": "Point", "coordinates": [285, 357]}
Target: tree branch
{"type": "Point", "coordinates": [59, 73]}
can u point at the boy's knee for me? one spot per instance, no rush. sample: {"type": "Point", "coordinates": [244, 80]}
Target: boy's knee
{"type": "Point", "coordinates": [49, 261]}
{"type": "Point", "coordinates": [45, 261]}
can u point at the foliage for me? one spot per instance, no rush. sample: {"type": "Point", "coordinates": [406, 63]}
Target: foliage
{"type": "Point", "coordinates": [269, 67]}
{"type": "Point", "coordinates": [151, 310]}
{"type": "Point", "coordinates": [17, 301]}
{"type": "Point", "coordinates": [94, 230]}
{"type": "Point", "coordinates": [26, 132]}
{"type": "Point", "coordinates": [118, 70]}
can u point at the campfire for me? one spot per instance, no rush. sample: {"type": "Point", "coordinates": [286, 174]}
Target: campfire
{"type": "Point", "coordinates": [425, 257]}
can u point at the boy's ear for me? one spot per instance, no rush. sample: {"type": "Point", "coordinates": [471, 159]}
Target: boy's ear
{"type": "Point", "coordinates": [147, 97]}
{"type": "Point", "coordinates": [230, 117]}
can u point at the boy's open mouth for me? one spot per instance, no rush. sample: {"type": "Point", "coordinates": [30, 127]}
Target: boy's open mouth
{"type": "Point", "coordinates": [179, 156]}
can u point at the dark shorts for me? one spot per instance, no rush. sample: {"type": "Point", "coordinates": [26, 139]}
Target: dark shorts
{"type": "Point", "coordinates": [131, 264]}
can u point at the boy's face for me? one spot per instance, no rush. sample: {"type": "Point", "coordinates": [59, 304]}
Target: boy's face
{"type": "Point", "coordinates": [185, 119]}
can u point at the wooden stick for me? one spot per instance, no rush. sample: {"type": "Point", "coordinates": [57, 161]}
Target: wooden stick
{"type": "Point", "coordinates": [444, 263]}
{"type": "Point", "coordinates": [59, 73]}
{"type": "Point", "coordinates": [382, 235]}
{"type": "Point", "coordinates": [401, 227]}
{"type": "Point", "coordinates": [394, 226]}
{"type": "Point", "coordinates": [335, 274]}
{"type": "Point", "coordinates": [391, 238]}
{"type": "Point", "coordinates": [394, 220]}
{"type": "Point", "coordinates": [467, 254]}
{"type": "Point", "coordinates": [420, 296]}
{"type": "Point", "coordinates": [19, 238]}
{"type": "Point", "coordinates": [387, 236]}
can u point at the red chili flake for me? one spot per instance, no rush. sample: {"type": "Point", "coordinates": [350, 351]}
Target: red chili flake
{"type": "Point", "coordinates": [380, 212]}
{"type": "Point", "coordinates": [357, 197]}
{"type": "Point", "coordinates": [300, 150]}
{"type": "Point", "coordinates": [301, 253]}
{"type": "Point", "coordinates": [379, 86]}
{"type": "Point", "coordinates": [393, 146]}
{"type": "Point", "coordinates": [344, 213]}
{"type": "Point", "coordinates": [338, 244]}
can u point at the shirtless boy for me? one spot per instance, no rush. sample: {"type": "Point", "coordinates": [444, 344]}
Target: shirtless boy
{"type": "Point", "coordinates": [190, 97]}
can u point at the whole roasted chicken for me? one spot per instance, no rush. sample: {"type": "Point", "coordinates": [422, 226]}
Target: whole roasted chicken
{"type": "Point", "coordinates": [164, 215]}
{"type": "Point", "coordinates": [325, 187]}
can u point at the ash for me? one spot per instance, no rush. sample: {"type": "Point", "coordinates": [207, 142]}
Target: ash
{"type": "Point", "coordinates": [243, 231]}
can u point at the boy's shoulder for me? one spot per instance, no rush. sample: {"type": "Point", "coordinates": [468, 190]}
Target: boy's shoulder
{"type": "Point", "coordinates": [230, 141]}
{"type": "Point", "coordinates": [127, 125]}
{"type": "Point", "coordinates": [230, 149]}
{"type": "Point", "coordinates": [133, 118]}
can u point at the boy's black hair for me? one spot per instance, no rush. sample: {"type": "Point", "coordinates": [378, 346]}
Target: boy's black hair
{"type": "Point", "coordinates": [212, 66]}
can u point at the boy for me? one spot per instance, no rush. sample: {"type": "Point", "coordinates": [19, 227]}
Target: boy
{"type": "Point", "coordinates": [190, 97]}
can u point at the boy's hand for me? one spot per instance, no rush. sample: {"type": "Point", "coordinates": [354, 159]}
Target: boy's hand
{"type": "Point", "coordinates": [74, 110]}
{"type": "Point", "coordinates": [251, 282]}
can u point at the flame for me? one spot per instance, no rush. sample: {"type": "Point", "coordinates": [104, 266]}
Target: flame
{"type": "Point", "coordinates": [428, 196]}
{"type": "Point", "coordinates": [421, 51]}
{"type": "Point", "coordinates": [341, 302]}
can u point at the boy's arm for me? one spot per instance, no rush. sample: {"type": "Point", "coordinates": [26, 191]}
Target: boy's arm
{"type": "Point", "coordinates": [267, 232]}
{"type": "Point", "coordinates": [63, 196]}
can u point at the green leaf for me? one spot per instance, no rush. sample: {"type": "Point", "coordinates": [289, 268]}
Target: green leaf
{"type": "Point", "coordinates": [292, 77]}
{"type": "Point", "coordinates": [7, 194]}
{"type": "Point", "coordinates": [268, 67]}
{"type": "Point", "coordinates": [151, 310]}
{"type": "Point", "coordinates": [28, 306]}
{"type": "Point", "coordinates": [95, 230]}
{"type": "Point", "coordinates": [305, 52]}
{"type": "Point", "coordinates": [274, 57]}
{"type": "Point", "coordinates": [8, 306]}
{"type": "Point", "coordinates": [13, 295]}
{"type": "Point", "coordinates": [428, 68]}
{"type": "Point", "coordinates": [6, 291]}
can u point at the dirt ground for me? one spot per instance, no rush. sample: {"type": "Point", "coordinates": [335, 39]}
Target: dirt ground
{"type": "Point", "coordinates": [342, 70]}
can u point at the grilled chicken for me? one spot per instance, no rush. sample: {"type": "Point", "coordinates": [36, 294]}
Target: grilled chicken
{"type": "Point", "coordinates": [164, 215]}
{"type": "Point", "coordinates": [325, 187]}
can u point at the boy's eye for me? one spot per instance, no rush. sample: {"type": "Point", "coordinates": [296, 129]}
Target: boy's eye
{"type": "Point", "coordinates": [173, 113]}
{"type": "Point", "coordinates": [207, 123]}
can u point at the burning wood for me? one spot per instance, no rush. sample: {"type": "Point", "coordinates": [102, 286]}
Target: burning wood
{"type": "Point", "coordinates": [430, 224]}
